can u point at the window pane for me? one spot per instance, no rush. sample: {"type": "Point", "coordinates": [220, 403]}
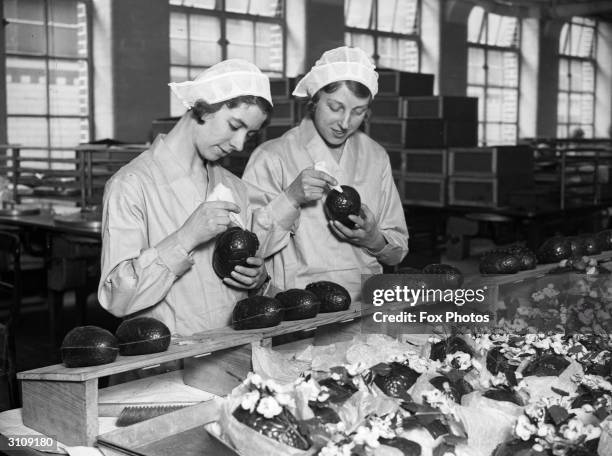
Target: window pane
{"type": "Point", "coordinates": [493, 134]}
{"type": "Point", "coordinates": [398, 54]}
{"type": "Point", "coordinates": [477, 92]}
{"type": "Point", "coordinates": [405, 17]}
{"type": "Point", "coordinates": [269, 8]}
{"type": "Point", "coordinates": [476, 72]}
{"type": "Point", "coordinates": [494, 105]}
{"type": "Point", "coordinates": [66, 132]}
{"type": "Point", "coordinates": [177, 74]}
{"type": "Point", "coordinates": [386, 15]}
{"type": "Point", "coordinates": [358, 13]}
{"type": "Point", "coordinates": [241, 37]}
{"type": "Point", "coordinates": [56, 154]}
{"type": "Point", "coordinates": [207, 4]}
{"type": "Point", "coordinates": [25, 31]}
{"type": "Point", "coordinates": [475, 25]}
{"type": "Point", "coordinates": [503, 68]}
{"type": "Point", "coordinates": [269, 47]}
{"type": "Point", "coordinates": [67, 28]}
{"type": "Point", "coordinates": [576, 108]}
{"type": "Point", "coordinates": [28, 130]}
{"type": "Point", "coordinates": [178, 39]}
{"type": "Point", "coordinates": [502, 30]}
{"type": "Point", "coordinates": [510, 105]}
{"type": "Point", "coordinates": [26, 86]}
{"type": "Point", "coordinates": [562, 107]}
{"type": "Point", "coordinates": [365, 42]}
{"type": "Point", "coordinates": [588, 77]}
{"type": "Point", "coordinates": [564, 79]}
{"type": "Point", "coordinates": [204, 33]}
{"type": "Point", "coordinates": [68, 87]}
{"type": "Point", "coordinates": [508, 134]}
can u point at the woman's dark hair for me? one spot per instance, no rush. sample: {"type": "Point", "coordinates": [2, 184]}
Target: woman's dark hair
{"type": "Point", "coordinates": [356, 88]}
{"type": "Point", "coordinates": [201, 108]}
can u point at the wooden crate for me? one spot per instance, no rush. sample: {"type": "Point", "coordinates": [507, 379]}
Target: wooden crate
{"type": "Point", "coordinates": [428, 162]}
{"type": "Point", "coordinates": [387, 107]}
{"type": "Point", "coordinates": [475, 191]}
{"type": "Point", "coordinates": [423, 133]}
{"type": "Point", "coordinates": [491, 161]}
{"type": "Point", "coordinates": [282, 87]}
{"type": "Point", "coordinates": [285, 112]}
{"type": "Point", "coordinates": [423, 191]}
{"type": "Point", "coordinates": [441, 107]}
{"type": "Point", "coordinates": [394, 83]}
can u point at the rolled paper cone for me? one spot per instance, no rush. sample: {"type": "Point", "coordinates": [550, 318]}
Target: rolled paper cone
{"type": "Point", "coordinates": [322, 166]}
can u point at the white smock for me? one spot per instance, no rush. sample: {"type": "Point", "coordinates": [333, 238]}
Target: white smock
{"type": "Point", "coordinates": [310, 251]}
{"type": "Point", "coordinates": [145, 271]}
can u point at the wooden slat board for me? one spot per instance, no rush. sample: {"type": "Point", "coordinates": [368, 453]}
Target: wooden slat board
{"type": "Point", "coordinates": [198, 344]}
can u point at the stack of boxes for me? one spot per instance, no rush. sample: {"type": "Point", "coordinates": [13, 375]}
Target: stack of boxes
{"type": "Point", "coordinates": [416, 128]}
{"type": "Point", "coordinates": [488, 176]}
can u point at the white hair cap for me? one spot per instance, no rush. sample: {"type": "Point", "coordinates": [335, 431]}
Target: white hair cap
{"type": "Point", "coordinates": [340, 64]}
{"type": "Point", "coordinates": [223, 81]}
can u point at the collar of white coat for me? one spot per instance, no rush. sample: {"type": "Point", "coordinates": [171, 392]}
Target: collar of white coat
{"type": "Point", "coordinates": [318, 150]}
{"type": "Point", "coordinates": [174, 173]}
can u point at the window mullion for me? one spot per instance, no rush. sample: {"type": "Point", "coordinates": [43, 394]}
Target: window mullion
{"type": "Point", "coordinates": [48, 80]}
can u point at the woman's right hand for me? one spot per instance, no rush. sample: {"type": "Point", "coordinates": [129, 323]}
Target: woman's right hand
{"type": "Point", "coordinates": [310, 185]}
{"type": "Point", "coordinates": [205, 223]}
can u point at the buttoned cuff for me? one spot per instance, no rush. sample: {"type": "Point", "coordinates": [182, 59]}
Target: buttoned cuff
{"type": "Point", "coordinates": [380, 254]}
{"type": "Point", "coordinates": [284, 212]}
{"type": "Point", "coordinates": [174, 256]}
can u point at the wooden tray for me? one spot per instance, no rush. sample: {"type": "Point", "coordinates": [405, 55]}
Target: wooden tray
{"type": "Point", "coordinates": [182, 432]}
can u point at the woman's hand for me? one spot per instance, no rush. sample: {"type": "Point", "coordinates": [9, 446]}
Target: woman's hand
{"type": "Point", "coordinates": [248, 278]}
{"type": "Point", "coordinates": [310, 185]}
{"type": "Point", "coordinates": [365, 234]}
{"type": "Point", "coordinates": [205, 223]}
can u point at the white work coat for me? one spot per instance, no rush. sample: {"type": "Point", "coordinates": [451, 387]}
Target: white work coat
{"type": "Point", "coordinates": [310, 251]}
{"type": "Point", "coordinates": [145, 271]}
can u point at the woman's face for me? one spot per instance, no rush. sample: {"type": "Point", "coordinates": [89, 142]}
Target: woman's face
{"type": "Point", "coordinates": [226, 130]}
{"type": "Point", "coordinates": [339, 114]}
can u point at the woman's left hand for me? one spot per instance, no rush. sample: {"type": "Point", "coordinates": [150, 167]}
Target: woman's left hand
{"type": "Point", "coordinates": [248, 278]}
{"type": "Point", "coordinates": [365, 234]}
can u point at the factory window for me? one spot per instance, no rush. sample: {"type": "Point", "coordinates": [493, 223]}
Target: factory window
{"type": "Point", "coordinates": [48, 74]}
{"type": "Point", "coordinates": [576, 103]}
{"type": "Point", "coordinates": [387, 30]}
{"type": "Point", "coordinates": [204, 32]}
{"type": "Point", "coordinates": [493, 74]}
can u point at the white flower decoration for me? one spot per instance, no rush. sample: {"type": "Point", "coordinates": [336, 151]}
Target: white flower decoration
{"type": "Point", "coordinates": [269, 407]}
{"type": "Point", "coordinates": [249, 400]}
{"type": "Point", "coordinates": [523, 428]}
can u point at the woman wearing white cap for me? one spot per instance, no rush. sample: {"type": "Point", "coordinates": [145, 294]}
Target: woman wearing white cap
{"type": "Point", "coordinates": [340, 88]}
{"type": "Point", "coordinates": [164, 209]}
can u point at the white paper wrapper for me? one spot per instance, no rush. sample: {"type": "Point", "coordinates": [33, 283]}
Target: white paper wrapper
{"type": "Point", "coordinates": [248, 441]}
{"type": "Point", "coordinates": [540, 387]}
{"type": "Point", "coordinates": [423, 438]}
{"type": "Point", "coordinates": [223, 193]}
{"type": "Point", "coordinates": [354, 410]}
{"type": "Point", "coordinates": [605, 441]}
{"type": "Point", "coordinates": [488, 423]}
{"type": "Point", "coordinates": [281, 367]}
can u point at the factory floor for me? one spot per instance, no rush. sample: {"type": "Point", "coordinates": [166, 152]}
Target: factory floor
{"type": "Point", "coordinates": [34, 346]}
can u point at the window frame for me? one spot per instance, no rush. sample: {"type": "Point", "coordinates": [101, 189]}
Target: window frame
{"type": "Point", "coordinates": [569, 58]}
{"type": "Point", "coordinates": [220, 12]}
{"type": "Point", "coordinates": [47, 57]}
{"type": "Point", "coordinates": [374, 32]}
{"type": "Point", "coordinates": [485, 47]}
